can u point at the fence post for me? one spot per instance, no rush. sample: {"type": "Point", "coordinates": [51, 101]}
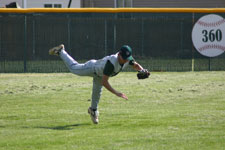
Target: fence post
{"type": "Point", "coordinates": [105, 37]}
{"type": "Point", "coordinates": [34, 36]}
{"type": "Point", "coordinates": [142, 37]}
{"type": "Point", "coordinates": [69, 33]}
{"type": "Point", "coordinates": [193, 59]}
{"type": "Point", "coordinates": [25, 44]}
{"type": "Point", "coordinates": [114, 31]}
{"type": "Point", "coordinates": [209, 63]}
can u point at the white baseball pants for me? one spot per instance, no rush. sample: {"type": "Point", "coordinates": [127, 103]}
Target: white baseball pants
{"type": "Point", "coordinates": [86, 69]}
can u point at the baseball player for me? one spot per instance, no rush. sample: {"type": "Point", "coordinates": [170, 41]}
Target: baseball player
{"type": "Point", "coordinates": [101, 70]}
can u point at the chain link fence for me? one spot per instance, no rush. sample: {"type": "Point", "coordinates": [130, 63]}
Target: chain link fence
{"type": "Point", "coordinates": [160, 41]}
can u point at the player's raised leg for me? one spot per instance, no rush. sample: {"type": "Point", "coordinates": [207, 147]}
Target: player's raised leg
{"type": "Point", "coordinates": [74, 67]}
{"type": "Point", "coordinates": [56, 50]}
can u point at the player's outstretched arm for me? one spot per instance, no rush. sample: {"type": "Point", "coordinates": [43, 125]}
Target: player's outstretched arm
{"type": "Point", "coordinates": [106, 84]}
{"type": "Point", "coordinates": [142, 73]}
{"type": "Point", "coordinates": [137, 66]}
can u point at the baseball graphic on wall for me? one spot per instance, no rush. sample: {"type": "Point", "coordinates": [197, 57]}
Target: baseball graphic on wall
{"type": "Point", "coordinates": [208, 35]}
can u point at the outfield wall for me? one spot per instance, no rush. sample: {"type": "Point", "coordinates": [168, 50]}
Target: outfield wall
{"type": "Point", "coordinates": [160, 37]}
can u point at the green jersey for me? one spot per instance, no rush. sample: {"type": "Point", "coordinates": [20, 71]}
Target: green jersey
{"type": "Point", "coordinates": [110, 65]}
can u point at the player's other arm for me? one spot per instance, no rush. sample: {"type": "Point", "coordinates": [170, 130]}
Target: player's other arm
{"type": "Point", "coordinates": [106, 84]}
{"type": "Point", "coordinates": [108, 70]}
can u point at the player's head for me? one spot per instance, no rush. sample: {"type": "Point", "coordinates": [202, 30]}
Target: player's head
{"type": "Point", "coordinates": [126, 52]}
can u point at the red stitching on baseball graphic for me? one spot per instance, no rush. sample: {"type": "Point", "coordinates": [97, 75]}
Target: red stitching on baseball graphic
{"type": "Point", "coordinates": [212, 46]}
{"type": "Point", "coordinates": [211, 24]}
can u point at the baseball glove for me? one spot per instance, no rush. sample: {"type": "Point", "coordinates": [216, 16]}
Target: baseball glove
{"type": "Point", "coordinates": [143, 74]}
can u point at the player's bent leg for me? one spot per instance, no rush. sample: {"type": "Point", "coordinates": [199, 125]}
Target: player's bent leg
{"type": "Point", "coordinates": [96, 94]}
{"type": "Point", "coordinates": [94, 115]}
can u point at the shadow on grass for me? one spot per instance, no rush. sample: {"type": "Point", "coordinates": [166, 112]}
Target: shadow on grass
{"type": "Point", "coordinates": [66, 127]}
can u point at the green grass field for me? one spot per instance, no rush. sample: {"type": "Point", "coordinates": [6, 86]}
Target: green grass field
{"type": "Point", "coordinates": [182, 111]}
